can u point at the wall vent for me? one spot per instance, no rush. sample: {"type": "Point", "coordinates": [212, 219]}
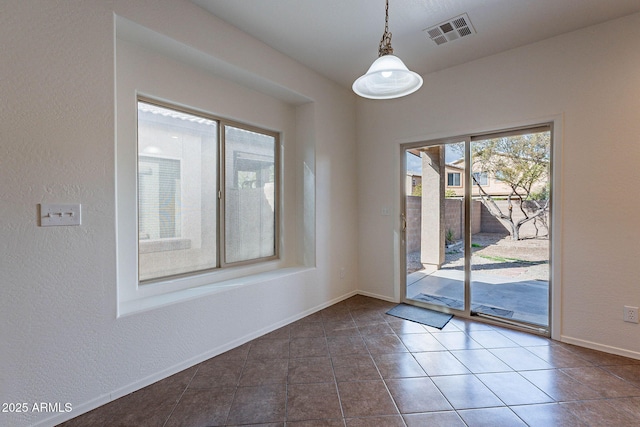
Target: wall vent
{"type": "Point", "coordinates": [450, 30]}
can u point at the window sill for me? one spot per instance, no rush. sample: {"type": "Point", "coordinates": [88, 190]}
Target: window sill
{"type": "Point", "coordinates": [153, 302]}
{"type": "Point", "coordinates": [162, 245]}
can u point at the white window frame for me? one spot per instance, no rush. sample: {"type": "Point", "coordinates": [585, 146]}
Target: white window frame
{"type": "Point", "coordinates": [222, 230]}
{"type": "Point", "coordinates": [453, 174]}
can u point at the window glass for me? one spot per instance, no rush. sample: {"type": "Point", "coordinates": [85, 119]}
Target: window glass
{"type": "Point", "coordinates": [250, 195]}
{"type": "Point", "coordinates": [453, 179]}
{"type": "Point", "coordinates": [159, 194]}
{"type": "Point", "coordinates": [481, 178]}
{"type": "Point", "coordinates": [177, 192]}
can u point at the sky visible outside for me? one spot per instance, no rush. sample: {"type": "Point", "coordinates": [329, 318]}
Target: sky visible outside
{"type": "Point", "coordinates": [451, 154]}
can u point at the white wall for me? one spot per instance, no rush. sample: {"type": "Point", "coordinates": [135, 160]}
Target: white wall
{"type": "Point", "coordinates": [61, 339]}
{"type": "Point", "coordinates": [591, 80]}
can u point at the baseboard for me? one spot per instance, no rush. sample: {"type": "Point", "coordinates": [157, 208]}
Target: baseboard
{"type": "Point", "coordinates": [137, 385]}
{"type": "Point", "coordinates": [372, 295]}
{"type": "Point", "coordinates": [600, 347]}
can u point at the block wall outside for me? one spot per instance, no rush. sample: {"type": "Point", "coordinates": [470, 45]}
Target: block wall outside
{"type": "Point", "coordinates": [414, 221]}
{"type": "Point", "coordinates": [492, 225]}
{"type": "Point", "coordinates": [454, 217]}
{"type": "Point", "coordinates": [481, 221]}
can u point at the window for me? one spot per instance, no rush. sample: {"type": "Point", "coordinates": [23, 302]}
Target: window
{"type": "Point", "coordinates": [158, 190]}
{"type": "Point", "coordinates": [250, 195]}
{"type": "Point", "coordinates": [453, 179]}
{"type": "Point", "coordinates": [481, 178]}
{"type": "Point", "coordinates": [192, 216]}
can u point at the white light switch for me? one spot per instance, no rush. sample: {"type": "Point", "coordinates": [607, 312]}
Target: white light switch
{"type": "Point", "coordinates": [54, 215]}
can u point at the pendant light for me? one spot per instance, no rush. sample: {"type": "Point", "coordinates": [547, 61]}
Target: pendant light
{"type": "Point", "coordinates": [387, 77]}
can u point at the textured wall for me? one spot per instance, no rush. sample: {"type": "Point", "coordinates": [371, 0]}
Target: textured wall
{"type": "Point", "coordinates": [61, 339]}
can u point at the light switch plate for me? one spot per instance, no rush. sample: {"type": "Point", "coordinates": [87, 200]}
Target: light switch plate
{"type": "Point", "coordinates": [60, 214]}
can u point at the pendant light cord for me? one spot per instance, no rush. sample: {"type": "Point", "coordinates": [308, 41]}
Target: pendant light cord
{"type": "Point", "coordinates": [385, 43]}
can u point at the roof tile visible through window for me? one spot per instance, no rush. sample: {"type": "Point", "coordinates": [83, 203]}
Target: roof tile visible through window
{"type": "Point", "coordinates": [165, 112]}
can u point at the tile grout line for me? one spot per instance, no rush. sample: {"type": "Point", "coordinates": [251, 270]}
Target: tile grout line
{"type": "Point", "coordinates": [180, 398]}
{"type": "Point", "coordinates": [333, 373]}
{"type": "Point", "coordinates": [237, 386]}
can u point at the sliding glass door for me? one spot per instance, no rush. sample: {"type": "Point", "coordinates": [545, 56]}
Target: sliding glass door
{"type": "Point", "coordinates": [476, 226]}
{"type": "Point", "coordinates": [510, 188]}
{"type": "Point", "coordinates": [435, 216]}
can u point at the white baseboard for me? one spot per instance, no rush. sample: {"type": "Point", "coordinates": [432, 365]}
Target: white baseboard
{"type": "Point", "coordinates": [382, 297]}
{"type": "Point", "coordinates": [600, 347]}
{"type": "Point", "coordinates": [137, 385]}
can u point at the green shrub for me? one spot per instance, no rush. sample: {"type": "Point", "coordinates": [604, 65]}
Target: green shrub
{"type": "Point", "coordinates": [449, 236]}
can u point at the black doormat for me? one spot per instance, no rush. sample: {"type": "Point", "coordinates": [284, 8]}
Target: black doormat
{"type": "Point", "coordinates": [457, 304]}
{"type": "Point", "coordinates": [420, 315]}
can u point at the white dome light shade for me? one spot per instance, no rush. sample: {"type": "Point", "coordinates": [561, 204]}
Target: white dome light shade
{"type": "Point", "coordinates": [387, 78]}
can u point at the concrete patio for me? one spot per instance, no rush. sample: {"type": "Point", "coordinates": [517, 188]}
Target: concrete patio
{"type": "Point", "coordinates": [490, 294]}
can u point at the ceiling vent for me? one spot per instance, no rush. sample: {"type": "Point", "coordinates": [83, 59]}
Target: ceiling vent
{"type": "Point", "coordinates": [450, 30]}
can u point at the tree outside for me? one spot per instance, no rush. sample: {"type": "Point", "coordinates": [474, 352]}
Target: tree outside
{"type": "Point", "coordinates": [522, 163]}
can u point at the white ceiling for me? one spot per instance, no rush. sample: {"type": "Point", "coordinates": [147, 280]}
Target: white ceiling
{"type": "Point", "coordinates": [339, 38]}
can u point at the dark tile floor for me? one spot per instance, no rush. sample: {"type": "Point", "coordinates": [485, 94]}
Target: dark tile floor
{"type": "Point", "coordinates": [353, 365]}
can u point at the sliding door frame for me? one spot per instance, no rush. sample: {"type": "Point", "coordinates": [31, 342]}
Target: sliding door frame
{"type": "Point", "coordinates": [552, 125]}
{"type": "Point", "coordinates": [466, 312]}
